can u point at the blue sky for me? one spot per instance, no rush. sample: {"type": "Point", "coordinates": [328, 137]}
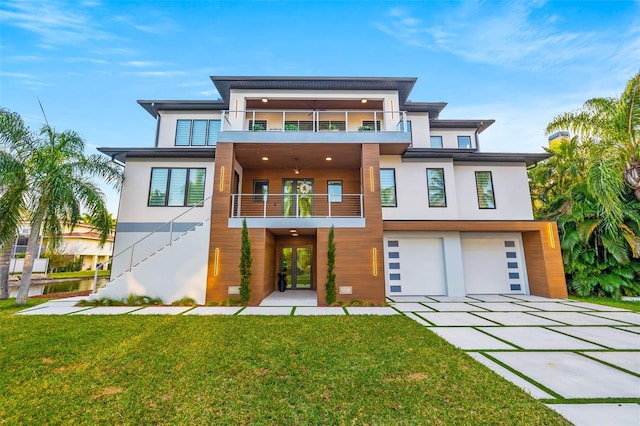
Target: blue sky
{"type": "Point", "coordinates": [520, 63]}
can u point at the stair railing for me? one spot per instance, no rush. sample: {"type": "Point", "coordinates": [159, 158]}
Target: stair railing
{"type": "Point", "coordinates": [132, 247]}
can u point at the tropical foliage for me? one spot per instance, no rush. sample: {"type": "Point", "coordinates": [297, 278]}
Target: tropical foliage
{"type": "Point", "coordinates": [591, 186]}
{"type": "Point", "coordinates": [47, 179]}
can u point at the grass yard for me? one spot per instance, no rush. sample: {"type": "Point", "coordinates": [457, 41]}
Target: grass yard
{"type": "Point", "coordinates": [616, 303]}
{"type": "Point", "coordinates": [246, 370]}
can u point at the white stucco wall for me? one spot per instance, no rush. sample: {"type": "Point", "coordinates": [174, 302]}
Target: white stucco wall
{"type": "Point", "coordinates": [510, 187]}
{"type": "Point", "coordinates": [419, 129]}
{"type": "Point", "coordinates": [411, 190]}
{"type": "Point", "coordinates": [510, 184]}
{"type": "Point", "coordinates": [169, 119]}
{"type": "Point", "coordinates": [450, 136]}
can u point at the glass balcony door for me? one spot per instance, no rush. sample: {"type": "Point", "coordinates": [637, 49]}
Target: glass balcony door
{"type": "Point", "coordinates": [298, 197]}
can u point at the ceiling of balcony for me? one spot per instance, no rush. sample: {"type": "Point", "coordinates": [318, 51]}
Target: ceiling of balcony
{"type": "Point", "coordinates": [315, 105]}
{"type": "Point", "coordinates": [303, 156]}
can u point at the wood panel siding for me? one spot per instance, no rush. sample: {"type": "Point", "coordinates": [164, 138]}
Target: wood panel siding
{"type": "Point", "coordinates": [540, 239]}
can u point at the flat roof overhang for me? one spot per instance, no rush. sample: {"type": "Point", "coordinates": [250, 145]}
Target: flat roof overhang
{"type": "Point", "coordinates": [473, 156]}
{"type": "Point", "coordinates": [121, 154]}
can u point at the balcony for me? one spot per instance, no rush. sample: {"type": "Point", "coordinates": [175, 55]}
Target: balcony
{"type": "Point", "coordinates": [297, 210]}
{"type": "Point", "coordinates": [359, 126]}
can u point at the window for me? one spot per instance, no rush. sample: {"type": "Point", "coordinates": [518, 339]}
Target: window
{"type": "Point", "coordinates": [258, 125]}
{"type": "Point", "coordinates": [436, 141]}
{"type": "Point", "coordinates": [435, 188]}
{"type": "Point", "coordinates": [197, 132]}
{"type": "Point", "coordinates": [176, 187]}
{"type": "Point", "coordinates": [260, 190]}
{"type": "Point", "coordinates": [369, 123]}
{"type": "Point", "coordinates": [484, 188]}
{"type": "Point", "coordinates": [464, 142]}
{"type": "Point", "coordinates": [388, 187]}
{"type": "Point", "coordinates": [334, 189]}
{"type": "Point", "coordinates": [332, 125]}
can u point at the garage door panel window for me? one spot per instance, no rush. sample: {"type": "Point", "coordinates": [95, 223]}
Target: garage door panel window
{"type": "Point", "coordinates": [388, 188]}
{"type": "Point", "coordinates": [484, 189]}
{"type": "Point", "coordinates": [435, 188]}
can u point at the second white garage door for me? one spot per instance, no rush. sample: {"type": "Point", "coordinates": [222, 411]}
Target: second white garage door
{"type": "Point", "coordinates": [415, 266]}
{"type": "Point", "coordinates": [493, 265]}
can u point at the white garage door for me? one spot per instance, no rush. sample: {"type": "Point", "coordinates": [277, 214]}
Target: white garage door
{"type": "Point", "coordinates": [414, 266]}
{"type": "Point", "coordinates": [493, 265]}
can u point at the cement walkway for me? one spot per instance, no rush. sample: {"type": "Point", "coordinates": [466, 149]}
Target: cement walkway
{"type": "Point", "coordinates": [581, 359]}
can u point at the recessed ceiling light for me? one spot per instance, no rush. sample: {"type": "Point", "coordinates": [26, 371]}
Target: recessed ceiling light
{"type": "Point", "coordinates": [265, 158]}
{"type": "Point", "coordinates": [293, 231]}
{"type": "Point", "coordinates": [294, 235]}
{"type": "Point", "coordinates": [364, 101]}
{"type": "Point", "coordinates": [265, 100]}
{"type": "Point", "coordinates": [328, 158]}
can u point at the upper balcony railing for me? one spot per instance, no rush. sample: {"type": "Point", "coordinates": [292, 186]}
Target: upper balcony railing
{"type": "Point", "coordinates": [314, 121]}
{"type": "Point", "coordinates": [298, 206]}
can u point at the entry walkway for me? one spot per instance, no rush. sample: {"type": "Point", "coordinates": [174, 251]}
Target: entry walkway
{"type": "Point", "coordinates": [581, 359]}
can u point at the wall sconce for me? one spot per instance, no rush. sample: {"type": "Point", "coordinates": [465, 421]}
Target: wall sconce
{"type": "Point", "coordinates": [221, 178]}
{"type": "Point", "coordinates": [552, 240]}
{"type": "Point", "coordinates": [375, 262]}
{"type": "Point", "coordinates": [373, 187]}
{"type": "Point", "coordinates": [216, 261]}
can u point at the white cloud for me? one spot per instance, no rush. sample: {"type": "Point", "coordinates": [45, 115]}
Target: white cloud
{"type": "Point", "coordinates": [510, 34]}
{"type": "Point", "coordinates": [141, 64]}
{"type": "Point", "coordinates": [156, 73]}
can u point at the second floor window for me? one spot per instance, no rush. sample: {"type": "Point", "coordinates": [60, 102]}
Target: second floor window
{"type": "Point", "coordinates": [388, 187]}
{"type": "Point", "coordinates": [436, 141]}
{"type": "Point", "coordinates": [464, 142]}
{"type": "Point", "coordinates": [484, 188]}
{"type": "Point", "coordinates": [435, 188]}
{"type": "Point", "coordinates": [197, 132]}
{"type": "Point", "coordinates": [176, 187]}
{"type": "Point", "coordinates": [334, 188]}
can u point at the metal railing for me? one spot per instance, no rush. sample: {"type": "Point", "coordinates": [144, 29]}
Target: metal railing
{"type": "Point", "coordinates": [150, 244]}
{"type": "Point", "coordinates": [296, 205]}
{"type": "Point", "coordinates": [314, 121]}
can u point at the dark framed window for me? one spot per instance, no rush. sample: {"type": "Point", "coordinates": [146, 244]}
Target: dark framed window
{"type": "Point", "coordinates": [388, 187]}
{"type": "Point", "coordinates": [258, 125]}
{"type": "Point", "coordinates": [435, 141]}
{"type": "Point", "coordinates": [484, 189]}
{"type": "Point", "coordinates": [334, 189]}
{"type": "Point", "coordinates": [435, 188]}
{"type": "Point", "coordinates": [197, 132]}
{"type": "Point", "coordinates": [260, 190]}
{"type": "Point", "coordinates": [464, 142]}
{"type": "Point", "coordinates": [369, 123]}
{"type": "Point", "coordinates": [176, 187]}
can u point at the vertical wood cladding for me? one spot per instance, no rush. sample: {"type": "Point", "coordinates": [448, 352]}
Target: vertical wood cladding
{"type": "Point", "coordinates": [545, 269]}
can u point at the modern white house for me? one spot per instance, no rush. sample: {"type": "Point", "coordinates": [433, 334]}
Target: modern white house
{"type": "Point", "coordinates": [417, 208]}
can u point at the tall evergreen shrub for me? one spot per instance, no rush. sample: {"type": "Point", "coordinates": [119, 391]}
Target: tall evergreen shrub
{"type": "Point", "coordinates": [330, 285]}
{"type": "Point", "coordinates": [245, 265]}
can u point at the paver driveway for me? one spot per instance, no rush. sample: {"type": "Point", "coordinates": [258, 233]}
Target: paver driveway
{"type": "Point", "coordinates": [581, 359]}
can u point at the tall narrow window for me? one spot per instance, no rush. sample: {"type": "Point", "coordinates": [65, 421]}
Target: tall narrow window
{"type": "Point", "coordinates": [158, 187]}
{"type": "Point", "coordinates": [195, 190]}
{"type": "Point", "coordinates": [183, 132]}
{"type": "Point", "coordinates": [260, 190]}
{"type": "Point", "coordinates": [435, 188]}
{"type": "Point", "coordinates": [484, 188]}
{"type": "Point", "coordinates": [334, 188]}
{"type": "Point", "coordinates": [214, 129]}
{"type": "Point", "coordinates": [464, 142]}
{"type": "Point", "coordinates": [199, 132]}
{"type": "Point", "coordinates": [436, 141]}
{"type": "Point", "coordinates": [388, 187]}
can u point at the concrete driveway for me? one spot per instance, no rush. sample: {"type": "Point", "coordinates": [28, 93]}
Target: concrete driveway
{"type": "Point", "coordinates": [581, 359]}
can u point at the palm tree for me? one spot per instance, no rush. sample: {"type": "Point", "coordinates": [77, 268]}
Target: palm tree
{"type": "Point", "coordinates": [50, 177]}
{"type": "Point", "coordinates": [613, 124]}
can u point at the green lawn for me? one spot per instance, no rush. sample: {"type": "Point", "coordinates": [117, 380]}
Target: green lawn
{"type": "Point", "coordinates": [78, 274]}
{"type": "Point", "coordinates": [624, 304]}
{"type": "Point", "coordinates": [241, 370]}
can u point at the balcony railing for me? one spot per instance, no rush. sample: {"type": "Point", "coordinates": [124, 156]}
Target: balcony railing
{"type": "Point", "coordinates": [296, 206]}
{"type": "Point", "coordinates": [314, 121]}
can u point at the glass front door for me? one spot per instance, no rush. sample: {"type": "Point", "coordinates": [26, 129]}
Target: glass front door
{"type": "Point", "coordinates": [296, 262]}
{"type": "Point", "coordinates": [298, 197]}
